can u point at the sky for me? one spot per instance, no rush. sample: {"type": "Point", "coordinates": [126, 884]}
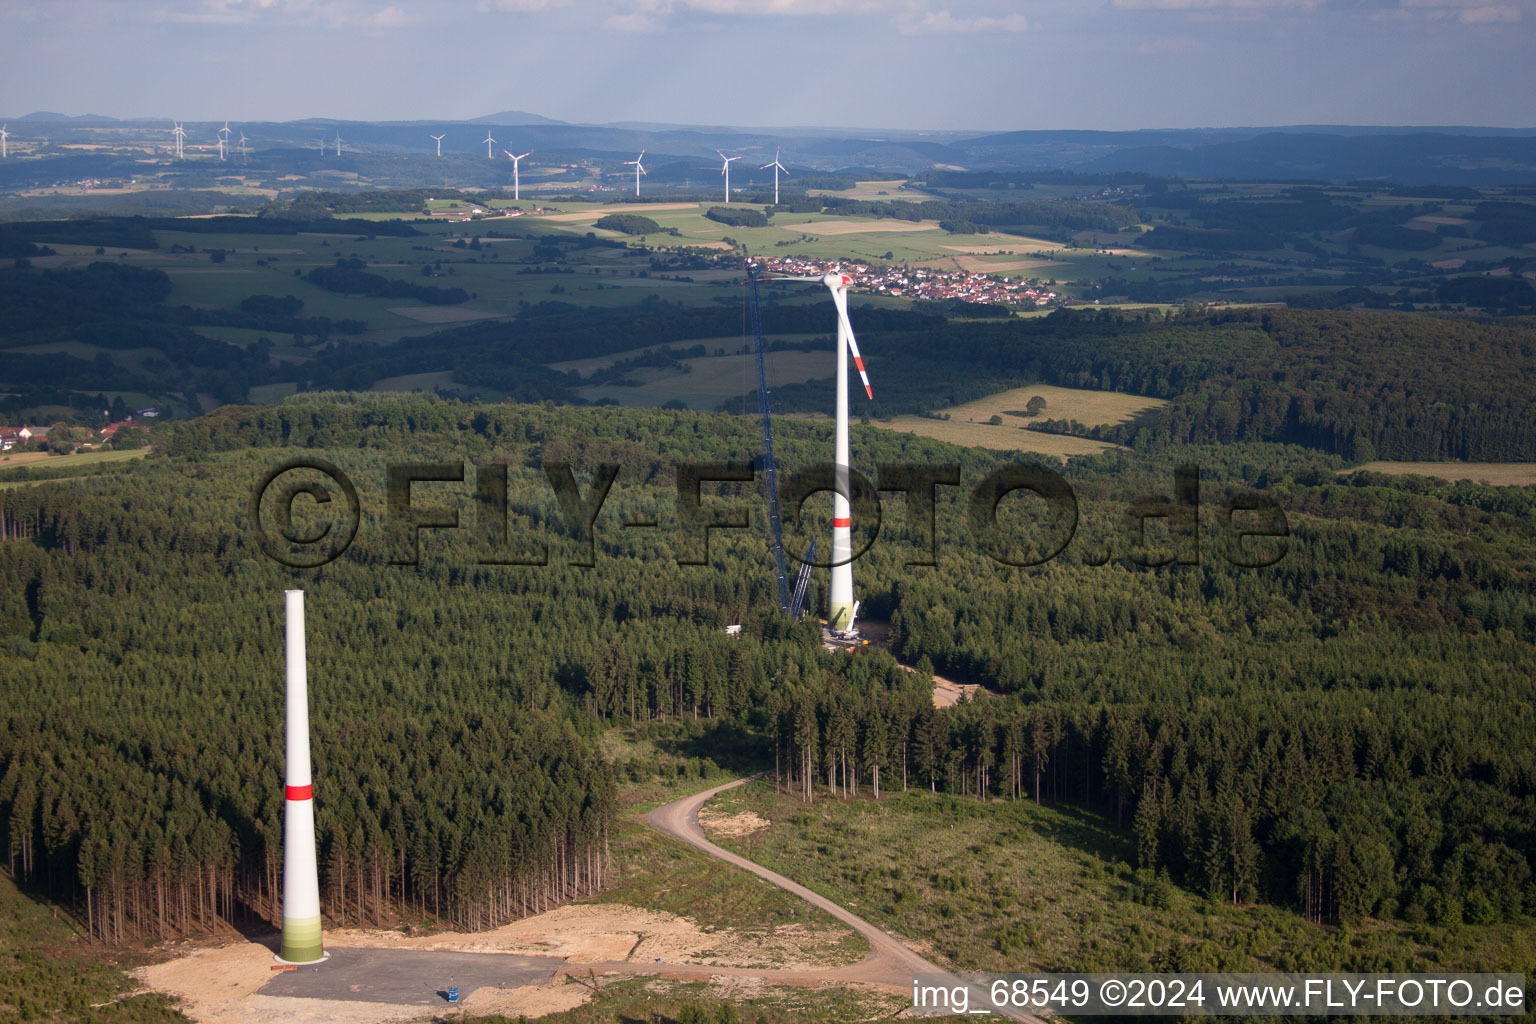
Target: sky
{"type": "Point", "coordinates": [973, 65]}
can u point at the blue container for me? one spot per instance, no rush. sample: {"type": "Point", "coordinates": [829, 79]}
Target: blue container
{"type": "Point", "coordinates": [453, 995]}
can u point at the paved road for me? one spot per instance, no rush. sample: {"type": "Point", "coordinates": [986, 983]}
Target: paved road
{"type": "Point", "coordinates": [890, 961]}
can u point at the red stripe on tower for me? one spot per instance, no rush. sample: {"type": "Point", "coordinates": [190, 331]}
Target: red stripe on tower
{"type": "Point", "coordinates": [301, 792]}
{"type": "Point", "coordinates": [842, 523]}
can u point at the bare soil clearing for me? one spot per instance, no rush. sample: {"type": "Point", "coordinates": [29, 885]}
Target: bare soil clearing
{"type": "Point", "coordinates": [731, 826]}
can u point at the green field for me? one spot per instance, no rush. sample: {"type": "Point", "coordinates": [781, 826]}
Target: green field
{"type": "Point", "coordinates": [713, 380]}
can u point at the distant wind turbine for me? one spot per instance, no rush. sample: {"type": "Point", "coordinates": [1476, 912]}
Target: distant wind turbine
{"type": "Point", "coordinates": [180, 133]}
{"type": "Point", "coordinates": [221, 147]}
{"type": "Point", "coordinates": [725, 169]}
{"type": "Point", "coordinates": [3, 136]}
{"type": "Point", "coordinates": [777, 167]}
{"type": "Point", "coordinates": [639, 169]}
{"type": "Point", "coordinates": [515, 159]}
{"type": "Point", "coordinates": [338, 143]}
{"type": "Point", "coordinates": [439, 139]}
{"type": "Point", "coordinates": [488, 140]}
{"type": "Point", "coordinates": [245, 154]}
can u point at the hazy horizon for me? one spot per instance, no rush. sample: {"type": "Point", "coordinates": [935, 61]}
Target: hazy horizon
{"type": "Point", "coordinates": [964, 65]}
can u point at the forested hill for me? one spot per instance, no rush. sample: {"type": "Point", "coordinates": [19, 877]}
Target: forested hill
{"type": "Point", "coordinates": [1363, 385]}
{"type": "Point", "coordinates": [1346, 732]}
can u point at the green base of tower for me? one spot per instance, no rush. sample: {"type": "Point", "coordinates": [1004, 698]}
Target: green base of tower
{"type": "Point", "coordinates": [302, 943]}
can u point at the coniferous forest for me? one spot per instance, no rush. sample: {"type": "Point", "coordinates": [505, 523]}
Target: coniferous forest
{"type": "Point", "coordinates": [1345, 732]}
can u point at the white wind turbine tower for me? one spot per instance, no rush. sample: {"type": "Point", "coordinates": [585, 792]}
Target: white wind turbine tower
{"type": "Point", "coordinates": [725, 169]}
{"type": "Point", "coordinates": [842, 607]}
{"type": "Point", "coordinates": [515, 186]}
{"type": "Point", "coordinates": [338, 143]}
{"type": "Point", "coordinates": [221, 147]}
{"type": "Point", "coordinates": [303, 942]}
{"type": "Point", "coordinates": [223, 139]}
{"type": "Point", "coordinates": [245, 154]}
{"type": "Point", "coordinates": [639, 169]}
{"type": "Point", "coordinates": [488, 140]}
{"type": "Point", "coordinates": [180, 133]}
{"type": "Point", "coordinates": [777, 167]}
{"type": "Point", "coordinates": [439, 139]}
{"type": "Point", "coordinates": [4, 135]}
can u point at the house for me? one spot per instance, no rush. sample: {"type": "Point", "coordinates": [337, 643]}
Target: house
{"type": "Point", "coordinates": [10, 437]}
{"type": "Point", "coordinates": [110, 429]}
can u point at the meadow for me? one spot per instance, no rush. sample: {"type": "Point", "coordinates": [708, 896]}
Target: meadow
{"type": "Point", "coordinates": [970, 423]}
{"type": "Point", "coordinates": [1494, 474]}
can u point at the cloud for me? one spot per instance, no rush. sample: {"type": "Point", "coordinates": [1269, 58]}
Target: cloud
{"type": "Point", "coordinates": [938, 22]}
{"type": "Point", "coordinates": [518, 6]}
{"type": "Point", "coordinates": [335, 13]}
{"type": "Point", "coordinates": [1468, 12]}
{"type": "Point", "coordinates": [634, 21]}
{"type": "Point", "coordinates": [1215, 5]}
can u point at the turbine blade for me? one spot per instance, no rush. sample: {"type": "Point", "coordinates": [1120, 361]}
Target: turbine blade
{"type": "Point", "coordinates": [853, 347]}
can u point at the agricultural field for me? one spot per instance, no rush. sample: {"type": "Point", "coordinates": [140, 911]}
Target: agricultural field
{"type": "Point", "coordinates": [709, 381]}
{"type": "Point", "coordinates": [1003, 438]}
{"type": "Point", "coordinates": [1494, 474]}
{"type": "Point", "coordinates": [43, 460]}
{"type": "Point", "coordinates": [969, 424]}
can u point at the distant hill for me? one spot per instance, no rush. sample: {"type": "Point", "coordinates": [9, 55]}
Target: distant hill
{"type": "Point", "coordinates": [48, 115]}
{"type": "Point", "coordinates": [1415, 159]}
{"type": "Point", "coordinates": [515, 117]}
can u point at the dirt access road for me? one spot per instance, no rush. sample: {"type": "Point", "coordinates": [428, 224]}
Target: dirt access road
{"type": "Point", "coordinates": [890, 961]}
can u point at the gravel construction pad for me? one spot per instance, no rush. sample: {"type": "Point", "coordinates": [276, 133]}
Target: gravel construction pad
{"type": "Point", "coordinates": [408, 976]}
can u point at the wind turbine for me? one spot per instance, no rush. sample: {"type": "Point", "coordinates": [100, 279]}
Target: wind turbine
{"type": "Point", "coordinates": [180, 133]}
{"type": "Point", "coordinates": [515, 159]}
{"type": "Point", "coordinates": [488, 140]}
{"type": "Point", "coordinates": [639, 169]}
{"type": "Point", "coordinates": [3, 136]}
{"type": "Point", "coordinates": [439, 139]}
{"type": "Point", "coordinates": [725, 169]}
{"type": "Point", "coordinates": [338, 143]}
{"type": "Point", "coordinates": [842, 607]}
{"type": "Point", "coordinates": [221, 147]}
{"type": "Point", "coordinates": [245, 154]}
{"type": "Point", "coordinates": [777, 167]}
{"type": "Point", "coordinates": [224, 132]}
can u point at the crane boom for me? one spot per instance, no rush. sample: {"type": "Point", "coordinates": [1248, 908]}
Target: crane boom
{"type": "Point", "coordinates": [770, 470]}
{"type": "Point", "coordinates": [802, 582]}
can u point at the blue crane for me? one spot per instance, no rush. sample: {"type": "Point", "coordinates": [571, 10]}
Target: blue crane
{"type": "Point", "coordinates": [771, 471]}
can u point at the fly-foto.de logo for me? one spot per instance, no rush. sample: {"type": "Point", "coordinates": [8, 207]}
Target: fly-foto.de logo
{"type": "Point", "coordinates": [307, 512]}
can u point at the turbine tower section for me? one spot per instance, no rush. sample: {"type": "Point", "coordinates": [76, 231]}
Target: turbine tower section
{"type": "Point", "coordinates": [840, 605]}
{"type": "Point", "coordinates": [302, 942]}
